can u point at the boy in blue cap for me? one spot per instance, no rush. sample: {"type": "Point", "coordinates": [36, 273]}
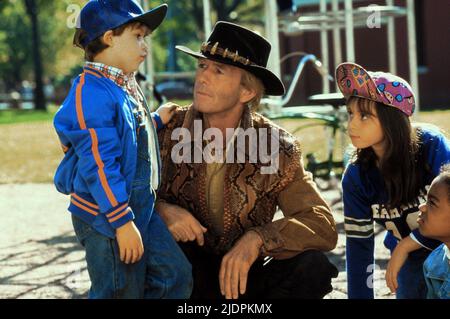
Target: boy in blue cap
{"type": "Point", "coordinates": [111, 167]}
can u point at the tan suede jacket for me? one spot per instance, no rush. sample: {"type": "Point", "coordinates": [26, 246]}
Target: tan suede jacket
{"type": "Point", "coordinates": [251, 198]}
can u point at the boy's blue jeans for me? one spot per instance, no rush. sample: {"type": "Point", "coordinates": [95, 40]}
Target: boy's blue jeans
{"type": "Point", "coordinates": [411, 281]}
{"type": "Point", "coordinates": [162, 272]}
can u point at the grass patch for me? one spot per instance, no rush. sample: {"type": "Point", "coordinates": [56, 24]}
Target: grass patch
{"type": "Point", "coordinates": [23, 116]}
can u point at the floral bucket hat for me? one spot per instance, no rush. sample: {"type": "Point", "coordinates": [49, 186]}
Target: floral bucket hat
{"type": "Point", "coordinates": [386, 88]}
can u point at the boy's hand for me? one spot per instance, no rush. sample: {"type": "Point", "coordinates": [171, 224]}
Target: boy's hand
{"type": "Point", "coordinates": [130, 243]}
{"type": "Point", "coordinates": [166, 112]}
{"type": "Point", "coordinates": [398, 258]}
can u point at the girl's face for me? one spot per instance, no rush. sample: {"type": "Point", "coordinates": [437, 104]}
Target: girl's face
{"type": "Point", "coordinates": [364, 127]}
{"type": "Point", "coordinates": [434, 217]}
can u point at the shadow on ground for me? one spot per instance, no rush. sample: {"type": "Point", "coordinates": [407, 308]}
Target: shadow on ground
{"type": "Point", "coordinates": [48, 268]}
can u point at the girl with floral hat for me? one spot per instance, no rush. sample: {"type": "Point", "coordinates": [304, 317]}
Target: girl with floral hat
{"type": "Point", "coordinates": [393, 164]}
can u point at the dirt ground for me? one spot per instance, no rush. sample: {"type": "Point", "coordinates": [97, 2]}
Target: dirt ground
{"type": "Point", "coordinates": [41, 258]}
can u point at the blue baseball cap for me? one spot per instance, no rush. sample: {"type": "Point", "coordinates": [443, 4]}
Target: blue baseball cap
{"type": "Point", "coordinates": [99, 16]}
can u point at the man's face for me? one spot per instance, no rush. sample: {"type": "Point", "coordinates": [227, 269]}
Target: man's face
{"type": "Point", "coordinates": [217, 87]}
{"type": "Point", "coordinates": [130, 49]}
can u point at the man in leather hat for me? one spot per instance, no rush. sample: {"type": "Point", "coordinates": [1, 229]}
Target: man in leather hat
{"type": "Point", "coordinates": [222, 212]}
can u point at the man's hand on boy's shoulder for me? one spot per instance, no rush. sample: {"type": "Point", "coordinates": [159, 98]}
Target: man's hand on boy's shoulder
{"type": "Point", "coordinates": [166, 112]}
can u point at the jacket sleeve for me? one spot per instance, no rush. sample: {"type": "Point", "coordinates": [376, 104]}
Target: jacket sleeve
{"type": "Point", "coordinates": [93, 135]}
{"type": "Point", "coordinates": [359, 230]}
{"type": "Point", "coordinates": [307, 222]}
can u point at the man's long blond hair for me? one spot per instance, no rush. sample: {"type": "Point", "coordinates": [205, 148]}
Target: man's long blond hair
{"type": "Point", "coordinates": [251, 82]}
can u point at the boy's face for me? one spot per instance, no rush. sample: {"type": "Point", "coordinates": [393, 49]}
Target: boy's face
{"type": "Point", "coordinates": [129, 49]}
{"type": "Point", "coordinates": [434, 217]}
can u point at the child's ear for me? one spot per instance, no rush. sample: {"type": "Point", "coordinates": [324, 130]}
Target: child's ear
{"type": "Point", "coordinates": [108, 38]}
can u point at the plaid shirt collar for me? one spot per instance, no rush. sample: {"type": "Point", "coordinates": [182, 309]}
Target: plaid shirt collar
{"type": "Point", "coordinates": [126, 81]}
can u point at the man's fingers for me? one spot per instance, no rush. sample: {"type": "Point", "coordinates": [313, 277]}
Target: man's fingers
{"type": "Point", "coordinates": [228, 294]}
{"type": "Point", "coordinates": [186, 235]}
{"type": "Point", "coordinates": [122, 254]}
{"type": "Point", "coordinates": [197, 230]}
{"type": "Point", "coordinates": [191, 235]}
{"type": "Point", "coordinates": [176, 236]}
{"type": "Point", "coordinates": [234, 280]}
{"type": "Point", "coordinates": [222, 276]}
{"type": "Point", "coordinates": [243, 275]}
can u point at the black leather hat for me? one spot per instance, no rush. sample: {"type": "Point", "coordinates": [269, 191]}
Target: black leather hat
{"type": "Point", "coordinates": [232, 44]}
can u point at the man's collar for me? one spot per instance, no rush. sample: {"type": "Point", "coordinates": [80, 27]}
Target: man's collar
{"type": "Point", "coordinates": [192, 114]}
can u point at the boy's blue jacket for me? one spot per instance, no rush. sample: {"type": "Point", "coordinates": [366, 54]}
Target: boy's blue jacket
{"type": "Point", "coordinates": [97, 130]}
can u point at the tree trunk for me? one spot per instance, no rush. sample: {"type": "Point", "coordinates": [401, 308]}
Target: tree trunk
{"type": "Point", "coordinates": [39, 97]}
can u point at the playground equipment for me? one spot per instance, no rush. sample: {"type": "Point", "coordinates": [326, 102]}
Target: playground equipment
{"type": "Point", "coordinates": [349, 18]}
{"type": "Point", "coordinates": [325, 110]}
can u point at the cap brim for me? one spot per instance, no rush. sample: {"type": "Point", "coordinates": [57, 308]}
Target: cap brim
{"type": "Point", "coordinates": [153, 18]}
{"type": "Point", "coordinates": [272, 84]}
{"type": "Point", "coordinates": [342, 71]}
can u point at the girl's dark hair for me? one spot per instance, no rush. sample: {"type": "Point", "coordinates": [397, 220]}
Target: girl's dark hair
{"type": "Point", "coordinates": [403, 164]}
{"type": "Point", "coordinates": [96, 46]}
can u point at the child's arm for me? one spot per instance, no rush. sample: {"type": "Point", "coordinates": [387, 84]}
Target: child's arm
{"type": "Point", "coordinates": [359, 232]}
{"type": "Point", "coordinates": [398, 258]}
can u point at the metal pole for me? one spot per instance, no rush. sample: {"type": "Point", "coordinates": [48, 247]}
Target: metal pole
{"type": "Point", "coordinates": [349, 34]}
{"type": "Point", "coordinates": [391, 41]}
{"type": "Point", "coordinates": [337, 49]}
{"type": "Point", "coordinates": [412, 53]}
{"type": "Point", "coordinates": [207, 24]}
{"type": "Point", "coordinates": [273, 36]}
{"type": "Point", "coordinates": [148, 68]}
{"type": "Point", "coordinates": [324, 48]}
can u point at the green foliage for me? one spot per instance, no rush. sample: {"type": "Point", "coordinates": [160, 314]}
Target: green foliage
{"type": "Point", "coordinates": [15, 38]}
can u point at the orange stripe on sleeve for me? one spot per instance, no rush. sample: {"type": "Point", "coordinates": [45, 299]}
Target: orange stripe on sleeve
{"type": "Point", "coordinates": [92, 73]}
{"type": "Point", "coordinates": [84, 201]}
{"type": "Point", "coordinates": [117, 210]}
{"type": "Point", "coordinates": [83, 207]}
{"type": "Point", "coordinates": [79, 105]}
{"type": "Point", "coordinates": [118, 216]}
{"type": "Point", "coordinates": [101, 172]}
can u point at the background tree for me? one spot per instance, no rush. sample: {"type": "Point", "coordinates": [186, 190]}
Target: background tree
{"type": "Point", "coordinates": [39, 98]}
